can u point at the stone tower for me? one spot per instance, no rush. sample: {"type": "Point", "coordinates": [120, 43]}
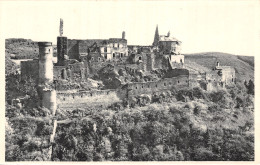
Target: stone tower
{"type": "Point", "coordinates": [156, 37]}
{"type": "Point", "coordinates": [150, 61]}
{"type": "Point", "coordinates": [45, 63]}
{"type": "Point", "coordinates": [123, 35]}
{"type": "Point", "coordinates": [46, 92]}
{"type": "Point", "coordinates": [62, 43]}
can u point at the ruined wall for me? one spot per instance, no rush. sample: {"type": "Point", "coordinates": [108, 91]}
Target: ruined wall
{"type": "Point", "coordinates": [150, 61]}
{"type": "Point", "coordinates": [176, 72]}
{"type": "Point", "coordinates": [30, 69]}
{"type": "Point", "coordinates": [100, 97]}
{"type": "Point", "coordinates": [61, 49]}
{"type": "Point", "coordinates": [168, 47]}
{"type": "Point", "coordinates": [49, 100]}
{"type": "Point", "coordinates": [73, 49]}
{"type": "Point", "coordinates": [57, 72]}
{"type": "Point", "coordinates": [177, 58]}
{"type": "Point", "coordinates": [228, 76]}
{"type": "Point", "coordinates": [135, 89]}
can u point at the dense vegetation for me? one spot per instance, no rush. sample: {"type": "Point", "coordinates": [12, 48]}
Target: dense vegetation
{"type": "Point", "coordinates": [188, 124]}
{"type": "Point", "coordinates": [184, 124]}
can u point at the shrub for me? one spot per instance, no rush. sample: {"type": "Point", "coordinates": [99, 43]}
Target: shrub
{"type": "Point", "coordinates": [197, 110]}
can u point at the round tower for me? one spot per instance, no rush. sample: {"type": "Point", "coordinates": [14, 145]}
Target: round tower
{"type": "Point", "coordinates": [49, 100]}
{"type": "Point", "coordinates": [45, 63]}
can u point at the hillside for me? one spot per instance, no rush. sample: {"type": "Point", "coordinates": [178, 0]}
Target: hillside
{"type": "Point", "coordinates": [20, 48]}
{"type": "Point", "coordinates": [244, 65]}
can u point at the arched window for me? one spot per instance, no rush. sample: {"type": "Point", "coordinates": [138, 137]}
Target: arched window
{"type": "Point", "coordinates": [140, 58]}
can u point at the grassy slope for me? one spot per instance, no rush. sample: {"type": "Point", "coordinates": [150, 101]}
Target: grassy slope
{"type": "Point", "coordinates": [244, 65]}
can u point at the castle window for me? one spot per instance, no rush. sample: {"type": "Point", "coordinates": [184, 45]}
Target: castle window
{"type": "Point", "coordinates": [49, 50]}
{"type": "Point", "coordinates": [121, 54]}
{"type": "Point", "coordinates": [106, 56]}
{"type": "Point", "coordinates": [140, 58]}
{"type": "Point", "coordinates": [178, 81]}
{"type": "Point", "coordinates": [99, 58]}
{"type": "Point", "coordinates": [105, 49]}
{"type": "Point", "coordinates": [113, 55]}
{"type": "Point", "coordinates": [164, 84]}
{"type": "Point", "coordinates": [156, 85]}
{"type": "Point", "coordinates": [142, 86]}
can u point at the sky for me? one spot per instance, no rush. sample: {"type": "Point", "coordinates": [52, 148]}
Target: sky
{"type": "Point", "coordinates": [202, 26]}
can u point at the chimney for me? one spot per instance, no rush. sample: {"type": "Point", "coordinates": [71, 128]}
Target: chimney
{"type": "Point", "coordinates": [123, 35]}
{"type": "Point", "coordinates": [168, 35]}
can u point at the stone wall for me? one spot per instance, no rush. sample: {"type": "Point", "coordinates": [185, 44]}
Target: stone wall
{"type": "Point", "coordinates": [61, 49]}
{"type": "Point", "coordinates": [177, 58]}
{"type": "Point", "coordinates": [70, 99]}
{"type": "Point", "coordinates": [73, 49]}
{"type": "Point", "coordinates": [139, 88]}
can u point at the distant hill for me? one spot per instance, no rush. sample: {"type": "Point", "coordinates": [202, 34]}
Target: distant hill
{"type": "Point", "coordinates": [20, 48]}
{"type": "Point", "coordinates": [244, 65]}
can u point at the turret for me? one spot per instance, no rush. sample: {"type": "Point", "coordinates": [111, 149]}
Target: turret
{"type": "Point", "coordinates": [45, 62]}
{"type": "Point", "coordinates": [156, 37]}
{"type": "Point", "coordinates": [168, 34]}
{"type": "Point", "coordinates": [123, 35]}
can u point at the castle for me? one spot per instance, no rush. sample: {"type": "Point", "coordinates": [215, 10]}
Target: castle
{"type": "Point", "coordinates": [78, 60]}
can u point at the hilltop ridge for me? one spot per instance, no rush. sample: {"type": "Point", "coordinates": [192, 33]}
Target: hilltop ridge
{"type": "Point", "coordinates": [244, 65]}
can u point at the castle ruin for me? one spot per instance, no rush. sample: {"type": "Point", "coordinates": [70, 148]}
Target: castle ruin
{"type": "Point", "coordinates": [78, 60]}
